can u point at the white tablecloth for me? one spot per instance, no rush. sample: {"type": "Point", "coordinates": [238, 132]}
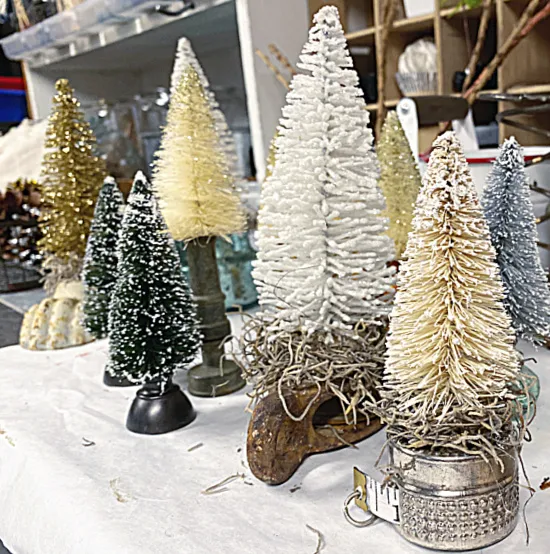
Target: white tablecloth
{"type": "Point", "coordinates": [131, 494]}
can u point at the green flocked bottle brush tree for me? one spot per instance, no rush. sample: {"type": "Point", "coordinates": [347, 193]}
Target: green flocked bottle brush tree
{"type": "Point", "coordinates": [152, 321]}
{"type": "Point", "coordinates": [100, 265]}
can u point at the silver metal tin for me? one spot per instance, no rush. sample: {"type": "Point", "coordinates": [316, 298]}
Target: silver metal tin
{"type": "Point", "coordinates": [457, 502]}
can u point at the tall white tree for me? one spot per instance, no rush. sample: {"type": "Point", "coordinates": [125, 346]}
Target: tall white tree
{"type": "Point", "coordinates": [323, 249]}
{"type": "Point", "coordinates": [185, 57]}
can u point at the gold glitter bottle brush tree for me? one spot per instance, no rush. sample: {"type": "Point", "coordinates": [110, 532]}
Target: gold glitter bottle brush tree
{"type": "Point", "coordinates": [199, 201]}
{"type": "Point", "coordinates": [72, 175]}
{"type": "Point", "coordinates": [450, 396]}
{"type": "Point", "coordinates": [316, 350]}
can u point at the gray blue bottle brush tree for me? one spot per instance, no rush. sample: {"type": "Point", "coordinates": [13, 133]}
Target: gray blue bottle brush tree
{"type": "Point", "coordinates": [100, 262]}
{"type": "Point", "coordinates": [510, 216]}
{"type": "Point", "coordinates": [152, 320]}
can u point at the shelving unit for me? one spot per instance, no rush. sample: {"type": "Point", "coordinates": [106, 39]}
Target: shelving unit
{"type": "Point", "coordinates": [527, 69]}
{"type": "Point", "coordinates": [132, 54]}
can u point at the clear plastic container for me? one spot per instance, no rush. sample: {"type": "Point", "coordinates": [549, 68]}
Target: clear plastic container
{"type": "Point", "coordinates": [95, 15]}
{"type": "Point", "coordinates": [14, 46]}
{"type": "Point", "coordinates": [62, 27]}
{"type": "Point", "coordinates": [132, 8]}
{"type": "Point", "coordinates": [20, 46]}
{"type": "Point", "coordinates": [37, 37]}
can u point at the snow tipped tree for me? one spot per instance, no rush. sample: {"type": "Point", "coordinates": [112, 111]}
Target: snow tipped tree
{"type": "Point", "coordinates": [191, 174]}
{"type": "Point", "coordinates": [399, 180]}
{"type": "Point", "coordinates": [185, 57]}
{"type": "Point", "coordinates": [100, 262]}
{"type": "Point", "coordinates": [509, 213]}
{"type": "Point", "coordinates": [152, 321]}
{"type": "Point", "coordinates": [323, 248]}
{"type": "Point", "coordinates": [451, 355]}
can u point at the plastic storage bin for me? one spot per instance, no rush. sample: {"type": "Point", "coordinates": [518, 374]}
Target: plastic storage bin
{"type": "Point", "coordinates": [12, 83]}
{"type": "Point", "coordinates": [95, 15]}
{"type": "Point", "coordinates": [133, 8]}
{"type": "Point", "coordinates": [62, 27]}
{"type": "Point", "coordinates": [20, 45]}
{"type": "Point", "coordinates": [13, 106]}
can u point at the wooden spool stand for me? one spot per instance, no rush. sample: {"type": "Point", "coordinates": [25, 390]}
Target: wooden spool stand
{"type": "Point", "coordinates": [277, 445]}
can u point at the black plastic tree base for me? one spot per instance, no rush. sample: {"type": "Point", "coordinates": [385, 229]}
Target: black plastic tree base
{"type": "Point", "coordinates": [111, 381]}
{"type": "Point", "coordinates": [205, 380]}
{"type": "Point", "coordinates": [154, 412]}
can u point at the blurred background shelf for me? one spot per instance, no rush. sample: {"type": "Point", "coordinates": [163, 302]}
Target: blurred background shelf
{"type": "Point", "coordinates": [118, 49]}
{"type": "Point", "coordinates": [454, 31]}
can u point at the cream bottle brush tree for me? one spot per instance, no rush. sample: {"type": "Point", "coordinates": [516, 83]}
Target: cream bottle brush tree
{"type": "Point", "coordinates": [399, 180]}
{"type": "Point", "coordinates": [451, 358]}
{"type": "Point", "coordinates": [185, 57]}
{"type": "Point", "coordinates": [191, 174]}
{"type": "Point", "coordinates": [199, 202]}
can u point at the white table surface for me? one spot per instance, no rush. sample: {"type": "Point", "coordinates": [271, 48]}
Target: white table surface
{"type": "Point", "coordinates": [132, 494]}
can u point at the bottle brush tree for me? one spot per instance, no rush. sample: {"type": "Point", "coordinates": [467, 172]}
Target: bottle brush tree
{"type": "Point", "coordinates": [323, 274]}
{"type": "Point", "coordinates": [100, 262]}
{"type": "Point", "coordinates": [152, 321]}
{"type": "Point", "coordinates": [185, 58]}
{"type": "Point", "coordinates": [509, 213]}
{"type": "Point", "coordinates": [191, 176]}
{"type": "Point", "coordinates": [199, 201]}
{"type": "Point", "coordinates": [399, 180]}
{"type": "Point", "coordinates": [451, 358]}
{"type": "Point", "coordinates": [72, 175]}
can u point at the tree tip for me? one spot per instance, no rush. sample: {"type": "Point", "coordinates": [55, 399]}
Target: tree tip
{"type": "Point", "coordinates": [447, 140]}
{"type": "Point", "coordinates": [327, 15]}
{"type": "Point", "coordinates": [140, 176]}
{"type": "Point", "coordinates": [62, 85]}
{"type": "Point", "coordinates": [510, 153]}
{"type": "Point", "coordinates": [184, 42]}
{"type": "Point", "coordinates": [510, 144]}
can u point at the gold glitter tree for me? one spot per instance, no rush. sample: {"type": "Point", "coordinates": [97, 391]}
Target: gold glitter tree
{"type": "Point", "coordinates": [72, 175]}
{"type": "Point", "coordinates": [451, 355]}
{"type": "Point", "coordinates": [399, 180]}
{"type": "Point", "coordinates": [192, 178]}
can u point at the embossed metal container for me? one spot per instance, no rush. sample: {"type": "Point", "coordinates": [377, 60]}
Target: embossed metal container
{"type": "Point", "coordinates": [456, 502]}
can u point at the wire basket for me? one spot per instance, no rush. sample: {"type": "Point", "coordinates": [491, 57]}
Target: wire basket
{"type": "Point", "coordinates": [417, 83]}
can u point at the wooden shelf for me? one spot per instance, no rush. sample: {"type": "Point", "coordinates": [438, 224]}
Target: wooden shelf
{"type": "Point", "coordinates": [364, 37]}
{"type": "Point", "coordinates": [530, 89]}
{"type": "Point", "coordinates": [454, 33]}
{"type": "Point", "coordinates": [420, 23]}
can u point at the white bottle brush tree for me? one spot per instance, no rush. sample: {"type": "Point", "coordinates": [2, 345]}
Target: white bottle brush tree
{"type": "Point", "coordinates": [451, 360]}
{"type": "Point", "coordinates": [511, 220]}
{"type": "Point", "coordinates": [322, 270]}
